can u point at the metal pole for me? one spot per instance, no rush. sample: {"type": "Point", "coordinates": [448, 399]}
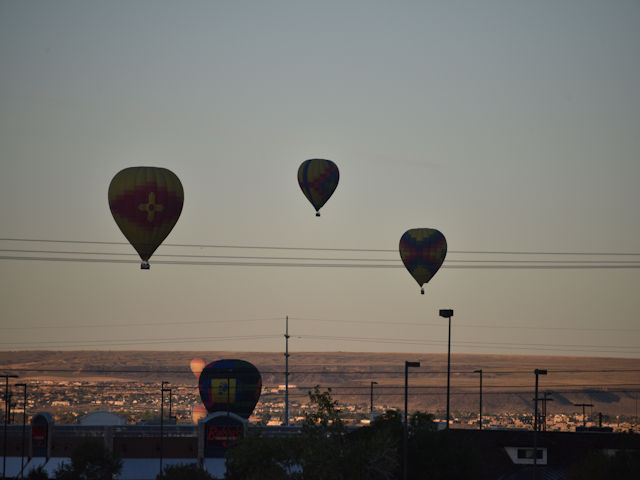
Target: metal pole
{"type": "Point", "coordinates": [406, 406]}
{"type": "Point", "coordinates": [405, 430]}
{"type": "Point", "coordinates": [6, 418]}
{"type": "Point", "coordinates": [535, 423]}
{"type": "Point", "coordinates": [480, 420]}
{"type": "Point", "coordinates": [286, 373]}
{"type": "Point", "coordinates": [371, 408]}
{"type": "Point", "coordinates": [448, 372]}
{"type": "Point", "coordinates": [162, 390]}
{"type": "Point", "coordinates": [24, 421]}
{"type": "Point", "coordinates": [448, 313]}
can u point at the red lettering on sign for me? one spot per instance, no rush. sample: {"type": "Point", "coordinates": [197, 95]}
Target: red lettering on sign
{"type": "Point", "coordinates": [226, 435]}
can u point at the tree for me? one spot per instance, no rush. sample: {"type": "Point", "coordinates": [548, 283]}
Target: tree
{"type": "Point", "coordinates": [188, 471]}
{"type": "Point", "coordinates": [90, 461]}
{"type": "Point", "coordinates": [38, 473]}
{"type": "Point", "coordinates": [597, 465]}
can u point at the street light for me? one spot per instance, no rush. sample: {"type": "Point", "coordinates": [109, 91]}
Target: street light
{"type": "Point", "coordinates": [448, 313]}
{"type": "Point", "coordinates": [407, 365]}
{"type": "Point", "coordinates": [162, 390]}
{"type": "Point", "coordinates": [537, 372]}
{"type": "Point", "coordinates": [6, 418]}
{"type": "Point", "coordinates": [480, 421]}
{"type": "Point", "coordinates": [371, 409]}
{"type": "Point", "coordinates": [24, 422]}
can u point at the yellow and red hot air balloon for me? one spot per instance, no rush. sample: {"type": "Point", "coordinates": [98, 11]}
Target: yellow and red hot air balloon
{"type": "Point", "coordinates": [422, 251]}
{"type": "Point", "coordinates": [197, 364]}
{"type": "Point", "coordinates": [318, 180]}
{"type": "Point", "coordinates": [146, 203]}
{"type": "Point", "coordinates": [198, 412]}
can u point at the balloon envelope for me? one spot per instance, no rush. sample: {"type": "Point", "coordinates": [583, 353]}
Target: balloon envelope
{"type": "Point", "coordinates": [198, 411]}
{"type": "Point", "coordinates": [318, 180]}
{"type": "Point", "coordinates": [422, 251]}
{"type": "Point", "coordinates": [146, 203]}
{"type": "Point", "coordinates": [230, 386]}
{"type": "Point", "coordinates": [197, 364]}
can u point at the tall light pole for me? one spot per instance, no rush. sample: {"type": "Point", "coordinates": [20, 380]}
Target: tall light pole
{"type": "Point", "coordinates": [537, 372]}
{"type": "Point", "coordinates": [448, 313]}
{"type": "Point", "coordinates": [24, 423]}
{"type": "Point", "coordinates": [286, 372]}
{"type": "Point", "coordinates": [371, 408]}
{"type": "Point", "coordinates": [480, 420]}
{"type": "Point", "coordinates": [162, 390]}
{"type": "Point", "coordinates": [6, 420]}
{"type": "Point", "coordinates": [407, 365]}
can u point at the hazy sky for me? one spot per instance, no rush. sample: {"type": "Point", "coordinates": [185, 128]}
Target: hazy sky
{"type": "Point", "coordinates": [510, 126]}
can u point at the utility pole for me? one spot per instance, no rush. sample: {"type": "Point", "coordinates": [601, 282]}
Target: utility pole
{"type": "Point", "coordinates": [584, 418]}
{"type": "Point", "coordinates": [6, 420]}
{"type": "Point", "coordinates": [286, 372]}
{"type": "Point", "coordinates": [537, 372]}
{"type": "Point", "coordinates": [371, 408]}
{"type": "Point", "coordinates": [544, 409]}
{"type": "Point", "coordinates": [480, 419]}
{"type": "Point", "coordinates": [24, 421]}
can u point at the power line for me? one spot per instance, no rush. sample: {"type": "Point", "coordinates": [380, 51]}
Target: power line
{"type": "Point", "coordinates": [320, 337]}
{"type": "Point", "coordinates": [261, 247]}
{"type": "Point", "coordinates": [341, 371]}
{"type": "Point", "coordinates": [314, 320]}
{"type": "Point", "coordinates": [318, 259]}
{"type": "Point", "coordinates": [558, 266]}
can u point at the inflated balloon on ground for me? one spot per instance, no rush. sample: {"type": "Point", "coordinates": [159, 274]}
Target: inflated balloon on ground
{"type": "Point", "coordinates": [230, 386]}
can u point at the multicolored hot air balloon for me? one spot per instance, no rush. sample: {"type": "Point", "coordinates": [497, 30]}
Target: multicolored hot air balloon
{"type": "Point", "coordinates": [146, 203]}
{"type": "Point", "coordinates": [318, 180]}
{"type": "Point", "coordinates": [422, 251]}
{"type": "Point", "coordinates": [230, 386]}
{"type": "Point", "coordinates": [197, 364]}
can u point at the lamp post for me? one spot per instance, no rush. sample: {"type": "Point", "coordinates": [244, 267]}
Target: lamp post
{"type": "Point", "coordinates": [480, 420]}
{"type": "Point", "coordinates": [286, 372]}
{"type": "Point", "coordinates": [537, 372]}
{"type": "Point", "coordinates": [407, 365]}
{"type": "Point", "coordinates": [448, 313]}
{"type": "Point", "coordinates": [162, 390]}
{"type": "Point", "coordinates": [6, 419]}
{"type": "Point", "coordinates": [24, 422]}
{"type": "Point", "coordinates": [371, 408]}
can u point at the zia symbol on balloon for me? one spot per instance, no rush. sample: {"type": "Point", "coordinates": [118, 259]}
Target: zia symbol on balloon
{"type": "Point", "coordinates": [151, 207]}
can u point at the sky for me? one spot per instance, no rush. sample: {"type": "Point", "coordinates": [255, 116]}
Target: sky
{"type": "Point", "coordinates": [513, 127]}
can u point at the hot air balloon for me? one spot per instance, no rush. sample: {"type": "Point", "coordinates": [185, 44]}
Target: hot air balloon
{"type": "Point", "coordinates": [422, 251]}
{"type": "Point", "coordinates": [197, 364]}
{"type": "Point", "coordinates": [230, 386]}
{"type": "Point", "coordinates": [197, 412]}
{"type": "Point", "coordinates": [145, 203]}
{"type": "Point", "coordinates": [318, 180]}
